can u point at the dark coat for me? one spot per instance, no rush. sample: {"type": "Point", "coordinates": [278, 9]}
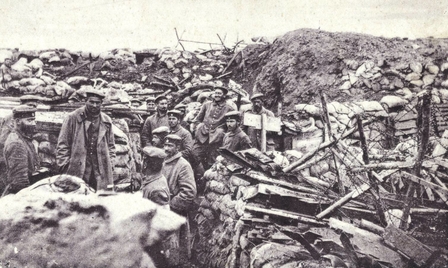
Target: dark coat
{"type": "Point", "coordinates": [180, 177]}
{"type": "Point", "coordinates": [155, 188]}
{"type": "Point", "coordinates": [187, 141]}
{"type": "Point", "coordinates": [151, 123]}
{"type": "Point", "coordinates": [21, 161]}
{"type": "Point", "coordinates": [212, 118]}
{"type": "Point", "coordinates": [71, 150]}
{"type": "Point", "coordinates": [236, 141]}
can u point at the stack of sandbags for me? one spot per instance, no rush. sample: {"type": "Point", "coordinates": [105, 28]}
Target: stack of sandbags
{"type": "Point", "coordinates": [124, 162]}
{"type": "Point", "coordinates": [216, 216]}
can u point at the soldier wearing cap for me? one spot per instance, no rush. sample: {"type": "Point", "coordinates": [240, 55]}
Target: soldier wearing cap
{"type": "Point", "coordinates": [179, 175]}
{"type": "Point", "coordinates": [159, 119]}
{"type": "Point", "coordinates": [154, 184]}
{"type": "Point", "coordinates": [174, 118]}
{"type": "Point", "coordinates": [6, 72]}
{"type": "Point", "coordinates": [183, 109]}
{"type": "Point", "coordinates": [20, 154]}
{"type": "Point", "coordinates": [182, 185]}
{"type": "Point", "coordinates": [258, 109]}
{"type": "Point", "coordinates": [158, 136]}
{"type": "Point", "coordinates": [7, 126]}
{"type": "Point", "coordinates": [210, 131]}
{"type": "Point", "coordinates": [86, 145]}
{"type": "Point", "coordinates": [235, 139]}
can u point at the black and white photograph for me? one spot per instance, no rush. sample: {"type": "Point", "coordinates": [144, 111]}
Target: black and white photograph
{"type": "Point", "coordinates": [224, 134]}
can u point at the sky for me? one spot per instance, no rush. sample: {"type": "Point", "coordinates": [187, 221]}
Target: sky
{"type": "Point", "coordinates": [100, 25]}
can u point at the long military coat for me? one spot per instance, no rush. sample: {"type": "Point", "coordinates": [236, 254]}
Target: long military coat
{"type": "Point", "coordinates": [72, 149]}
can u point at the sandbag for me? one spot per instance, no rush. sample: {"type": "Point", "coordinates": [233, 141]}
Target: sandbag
{"type": "Point", "coordinates": [59, 184]}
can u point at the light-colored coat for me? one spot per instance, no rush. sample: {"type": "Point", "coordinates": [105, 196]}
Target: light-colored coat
{"type": "Point", "coordinates": [71, 150]}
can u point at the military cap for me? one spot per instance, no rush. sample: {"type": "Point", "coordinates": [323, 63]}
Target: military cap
{"type": "Point", "coordinates": [256, 96]}
{"type": "Point", "coordinates": [223, 89]}
{"type": "Point", "coordinates": [161, 97]}
{"type": "Point", "coordinates": [29, 98]}
{"type": "Point", "coordinates": [151, 98]}
{"type": "Point", "coordinates": [94, 92]}
{"type": "Point", "coordinates": [180, 106]}
{"type": "Point", "coordinates": [154, 152]}
{"type": "Point", "coordinates": [233, 115]}
{"type": "Point", "coordinates": [172, 139]}
{"type": "Point", "coordinates": [23, 111]}
{"type": "Point", "coordinates": [161, 130]}
{"type": "Point", "coordinates": [175, 113]}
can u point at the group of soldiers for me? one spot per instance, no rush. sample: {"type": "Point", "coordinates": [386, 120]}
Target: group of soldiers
{"type": "Point", "coordinates": [173, 156]}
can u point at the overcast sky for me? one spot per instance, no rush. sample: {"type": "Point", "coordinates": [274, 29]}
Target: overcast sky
{"type": "Point", "coordinates": [105, 24]}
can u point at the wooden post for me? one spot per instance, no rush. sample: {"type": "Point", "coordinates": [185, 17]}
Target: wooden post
{"type": "Point", "coordinates": [424, 118]}
{"type": "Point", "coordinates": [365, 158]}
{"type": "Point", "coordinates": [264, 121]}
{"type": "Point", "coordinates": [238, 102]}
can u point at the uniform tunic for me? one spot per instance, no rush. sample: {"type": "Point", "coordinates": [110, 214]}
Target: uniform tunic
{"type": "Point", "coordinates": [155, 188]}
{"type": "Point", "coordinates": [151, 123]}
{"type": "Point", "coordinates": [181, 183]}
{"type": "Point", "coordinates": [236, 140]}
{"type": "Point", "coordinates": [187, 141]}
{"type": "Point", "coordinates": [212, 116]}
{"type": "Point", "coordinates": [21, 161]}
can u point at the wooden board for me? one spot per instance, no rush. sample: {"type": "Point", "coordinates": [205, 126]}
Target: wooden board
{"type": "Point", "coordinates": [410, 124]}
{"type": "Point", "coordinates": [406, 244]}
{"type": "Point", "coordinates": [254, 120]}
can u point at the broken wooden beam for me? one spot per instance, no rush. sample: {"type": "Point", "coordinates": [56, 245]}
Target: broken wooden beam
{"type": "Point", "coordinates": [385, 165]}
{"type": "Point", "coordinates": [285, 214]}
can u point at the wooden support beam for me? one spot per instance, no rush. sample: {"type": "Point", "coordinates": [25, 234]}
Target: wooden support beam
{"type": "Point", "coordinates": [264, 122]}
{"type": "Point", "coordinates": [424, 117]}
{"type": "Point", "coordinates": [285, 214]}
{"type": "Point", "coordinates": [385, 165]}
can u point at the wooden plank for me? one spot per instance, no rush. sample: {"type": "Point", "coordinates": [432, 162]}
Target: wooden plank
{"type": "Point", "coordinates": [404, 116]}
{"type": "Point", "coordinates": [254, 120]}
{"type": "Point", "coordinates": [406, 125]}
{"type": "Point", "coordinates": [284, 214]}
{"type": "Point", "coordinates": [264, 126]}
{"type": "Point", "coordinates": [423, 182]}
{"type": "Point", "coordinates": [406, 244]}
{"type": "Point", "coordinates": [400, 132]}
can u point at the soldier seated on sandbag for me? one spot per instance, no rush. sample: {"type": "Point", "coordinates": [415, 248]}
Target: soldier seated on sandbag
{"type": "Point", "coordinates": [235, 139]}
{"type": "Point", "coordinates": [154, 184]}
{"type": "Point", "coordinates": [20, 154]}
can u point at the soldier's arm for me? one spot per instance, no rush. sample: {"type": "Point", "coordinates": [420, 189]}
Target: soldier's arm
{"type": "Point", "coordinates": [187, 190]}
{"type": "Point", "coordinates": [16, 159]}
{"type": "Point", "coordinates": [201, 114]}
{"type": "Point", "coordinates": [63, 150]}
{"type": "Point", "coordinates": [146, 133]}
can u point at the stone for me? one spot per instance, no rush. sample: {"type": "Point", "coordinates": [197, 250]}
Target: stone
{"type": "Point", "coordinates": [432, 69]}
{"type": "Point", "coordinates": [345, 86]}
{"type": "Point", "coordinates": [361, 69]}
{"type": "Point", "coordinates": [413, 76]}
{"type": "Point", "coordinates": [416, 67]}
{"type": "Point", "coordinates": [444, 67]}
{"type": "Point", "coordinates": [428, 79]}
{"type": "Point", "coordinates": [418, 83]}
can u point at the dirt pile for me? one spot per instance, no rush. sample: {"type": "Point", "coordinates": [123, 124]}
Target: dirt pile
{"type": "Point", "coordinates": [42, 229]}
{"type": "Point", "coordinates": [346, 66]}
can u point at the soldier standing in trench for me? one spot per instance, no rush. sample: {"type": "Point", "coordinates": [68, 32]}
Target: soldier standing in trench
{"type": "Point", "coordinates": [235, 139]}
{"type": "Point", "coordinates": [210, 131]}
{"type": "Point", "coordinates": [86, 145]}
{"type": "Point", "coordinates": [20, 154]}
{"type": "Point", "coordinates": [174, 119]}
{"type": "Point", "coordinates": [258, 109]}
{"type": "Point", "coordinates": [158, 119]}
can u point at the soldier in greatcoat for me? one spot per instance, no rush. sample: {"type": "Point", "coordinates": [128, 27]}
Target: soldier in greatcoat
{"type": "Point", "coordinates": [86, 145]}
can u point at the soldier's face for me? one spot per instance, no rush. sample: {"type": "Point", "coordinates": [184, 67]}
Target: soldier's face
{"type": "Point", "coordinates": [8, 62]}
{"type": "Point", "coordinates": [162, 105]}
{"type": "Point", "coordinates": [173, 121]}
{"type": "Point", "coordinates": [150, 105]}
{"type": "Point", "coordinates": [93, 104]}
{"type": "Point", "coordinates": [156, 141]}
{"type": "Point", "coordinates": [231, 124]}
{"type": "Point", "coordinates": [27, 125]}
{"type": "Point", "coordinates": [218, 95]}
{"type": "Point", "coordinates": [170, 149]}
{"type": "Point", "coordinates": [257, 103]}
